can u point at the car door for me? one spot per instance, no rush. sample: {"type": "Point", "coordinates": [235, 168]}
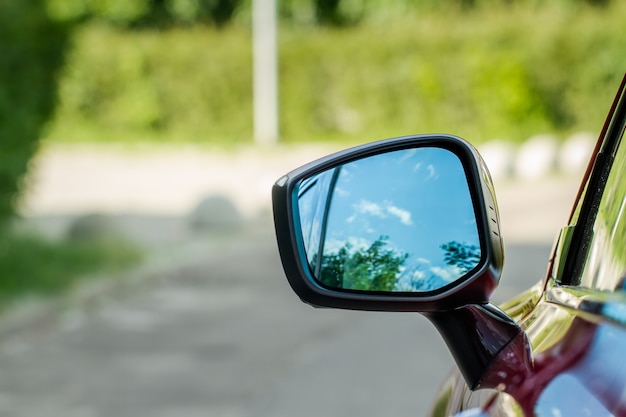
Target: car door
{"type": "Point", "coordinates": [574, 320]}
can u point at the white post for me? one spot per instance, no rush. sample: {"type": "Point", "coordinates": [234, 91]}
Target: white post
{"type": "Point", "coordinates": [265, 71]}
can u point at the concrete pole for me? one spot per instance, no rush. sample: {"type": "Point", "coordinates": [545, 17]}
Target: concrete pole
{"type": "Point", "coordinates": [265, 71]}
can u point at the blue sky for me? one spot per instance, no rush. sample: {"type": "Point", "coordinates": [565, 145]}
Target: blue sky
{"type": "Point", "coordinates": [419, 198]}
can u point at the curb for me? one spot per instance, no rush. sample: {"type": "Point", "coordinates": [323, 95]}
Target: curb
{"type": "Point", "coordinates": [540, 156]}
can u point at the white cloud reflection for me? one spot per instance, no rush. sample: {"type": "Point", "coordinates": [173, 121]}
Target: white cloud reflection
{"type": "Point", "coordinates": [403, 215]}
{"type": "Point", "coordinates": [382, 211]}
{"type": "Point", "coordinates": [447, 274]}
{"type": "Point", "coordinates": [431, 173]}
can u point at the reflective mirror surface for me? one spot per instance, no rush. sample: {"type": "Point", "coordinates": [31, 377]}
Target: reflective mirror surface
{"type": "Point", "coordinates": [402, 221]}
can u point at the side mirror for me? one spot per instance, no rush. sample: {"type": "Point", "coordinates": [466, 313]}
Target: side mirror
{"type": "Point", "coordinates": [405, 224]}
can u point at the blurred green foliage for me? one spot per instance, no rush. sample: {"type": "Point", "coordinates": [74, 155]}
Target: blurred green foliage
{"type": "Point", "coordinates": [501, 73]}
{"type": "Point", "coordinates": [346, 13]}
{"type": "Point", "coordinates": [145, 13]}
{"type": "Point", "coordinates": [31, 55]}
{"type": "Point", "coordinates": [498, 72]}
{"type": "Point", "coordinates": [181, 85]}
{"type": "Point", "coordinates": [32, 265]}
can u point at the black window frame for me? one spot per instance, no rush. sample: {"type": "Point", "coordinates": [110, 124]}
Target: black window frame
{"type": "Point", "coordinates": [590, 195]}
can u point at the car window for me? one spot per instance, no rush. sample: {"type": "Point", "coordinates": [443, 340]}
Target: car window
{"type": "Point", "coordinates": [605, 266]}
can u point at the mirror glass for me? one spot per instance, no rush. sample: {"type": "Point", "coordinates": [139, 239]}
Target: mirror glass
{"type": "Point", "coordinates": [401, 221]}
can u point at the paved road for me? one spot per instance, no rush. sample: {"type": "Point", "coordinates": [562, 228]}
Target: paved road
{"type": "Point", "coordinates": [224, 336]}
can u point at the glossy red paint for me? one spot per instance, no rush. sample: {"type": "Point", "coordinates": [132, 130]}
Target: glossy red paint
{"type": "Point", "coordinates": [516, 373]}
{"type": "Point", "coordinates": [583, 374]}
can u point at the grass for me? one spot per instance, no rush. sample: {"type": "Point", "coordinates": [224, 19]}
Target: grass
{"type": "Point", "coordinates": [31, 265]}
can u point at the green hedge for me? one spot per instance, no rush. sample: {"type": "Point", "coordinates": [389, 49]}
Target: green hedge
{"type": "Point", "coordinates": [178, 85]}
{"type": "Point", "coordinates": [506, 73]}
{"type": "Point", "coordinates": [145, 13]}
{"type": "Point", "coordinates": [31, 53]}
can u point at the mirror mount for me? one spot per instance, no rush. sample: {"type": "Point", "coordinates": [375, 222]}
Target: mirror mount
{"type": "Point", "coordinates": [476, 334]}
{"type": "Point", "coordinates": [344, 225]}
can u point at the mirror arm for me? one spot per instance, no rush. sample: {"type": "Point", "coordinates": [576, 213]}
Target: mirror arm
{"type": "Point", "coordinates": [475, 335]}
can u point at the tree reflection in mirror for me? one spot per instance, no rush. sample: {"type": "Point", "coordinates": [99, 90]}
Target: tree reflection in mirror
{"type": "Point", "coordinates": [401, 221]}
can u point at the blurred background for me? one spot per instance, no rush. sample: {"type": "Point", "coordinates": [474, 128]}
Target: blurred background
{"type": "Point", "coordinates": [138, 268]}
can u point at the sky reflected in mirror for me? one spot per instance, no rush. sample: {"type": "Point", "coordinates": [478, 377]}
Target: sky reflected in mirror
{"type": "Point", "coordinates": [400, 221]}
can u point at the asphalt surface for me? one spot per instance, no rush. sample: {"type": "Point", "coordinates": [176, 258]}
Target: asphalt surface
{"type": "Point", "coordinates": [225, 336]}
{"type": "Point", "coordinates": [211, 328]}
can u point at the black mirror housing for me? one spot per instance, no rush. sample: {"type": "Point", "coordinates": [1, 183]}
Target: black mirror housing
{"type": "Point", "coordinates": [474, 286]}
